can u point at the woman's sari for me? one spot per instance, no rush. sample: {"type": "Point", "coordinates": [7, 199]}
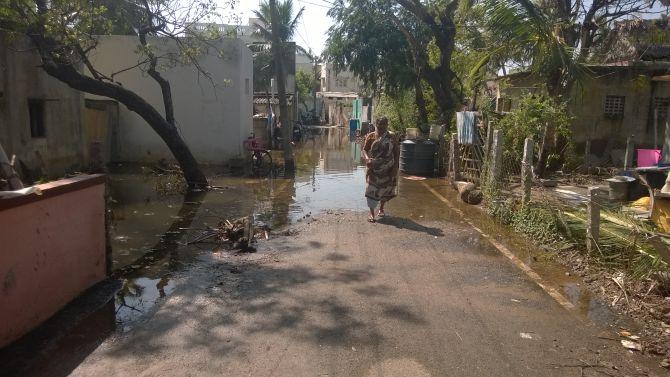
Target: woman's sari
{"type": "Point", "coordinates": [382, 176]}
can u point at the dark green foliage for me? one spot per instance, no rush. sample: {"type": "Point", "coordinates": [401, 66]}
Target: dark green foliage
{"type": "Point", "coordinates": [364, 40]}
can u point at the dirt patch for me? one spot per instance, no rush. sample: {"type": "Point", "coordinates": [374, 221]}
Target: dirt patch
{"type": "Point", "coordinates": [645, 301]}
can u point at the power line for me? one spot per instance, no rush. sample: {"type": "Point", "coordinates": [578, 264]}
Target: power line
{"type": "Point", "coordinates": [301, 37]}
{"type": "Point", "coordinates": [318, 5]}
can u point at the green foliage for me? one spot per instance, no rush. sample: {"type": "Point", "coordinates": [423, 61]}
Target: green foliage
{"type": "Point", "coordinates": [288, 23]}
{"type": "Point", "coordinates": [539, 221]}
{"type": "Point", "coordinates": [364, 40]}
{"type": "Point", "coordinates": [528, 120]}
{"type": "Point", "coordinates": [263, 70]}
{"type": "Point", "coordinates": [304, 82]}
{"type": "Point", "coordinates": [400, 109]}
{"type": "Point", "coordinates": [524, 34]}
{"type": "Point", "coordinates": [620, 247]}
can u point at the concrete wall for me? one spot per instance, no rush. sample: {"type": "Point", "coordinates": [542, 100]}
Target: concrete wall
{"type": "Point", "coordinates": [214, 117]}
{"type": "Point", "coordinates": [343, 81]}
{"type": "Point", "coordinates": [21, 79]}
{"type": "Point", "coordinates": [53, 248]}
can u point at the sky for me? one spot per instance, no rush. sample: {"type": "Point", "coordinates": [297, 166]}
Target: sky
{"type": "Point", "coordinates": [312, 31]}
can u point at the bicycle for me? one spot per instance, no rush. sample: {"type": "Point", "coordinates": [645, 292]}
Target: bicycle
{"type": "Point", "coordinates": [261, 159]}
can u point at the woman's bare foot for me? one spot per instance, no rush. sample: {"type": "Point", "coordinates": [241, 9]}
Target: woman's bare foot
{"type": "Point", "coordinates": [371, 219]}
{"type": "Point", "coordinates": [381, 213]}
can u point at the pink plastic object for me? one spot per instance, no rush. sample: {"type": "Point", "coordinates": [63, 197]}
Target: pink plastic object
{"type": "Point", "coordinates": [648, 157]}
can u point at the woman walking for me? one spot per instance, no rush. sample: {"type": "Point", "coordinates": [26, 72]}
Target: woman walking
{"type": "Point", "coordinates": [381, 153]}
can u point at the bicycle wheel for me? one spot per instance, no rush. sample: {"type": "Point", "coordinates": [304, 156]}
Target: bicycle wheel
{"type": "Point", "coordinates": [261, 163]}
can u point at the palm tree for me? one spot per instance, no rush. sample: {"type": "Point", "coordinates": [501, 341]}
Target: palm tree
{"type": "Point", "coordinates": [277, 26]}
{"type": "Point", "coordinates": [525, 36]}
{"type": "Point", "coordinates": [287, 24]}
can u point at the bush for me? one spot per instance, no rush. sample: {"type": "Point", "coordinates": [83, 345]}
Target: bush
{"type": "Point", "coordinates": [528, 119]}
{"type": "Point", "coordinates": [400, 109]}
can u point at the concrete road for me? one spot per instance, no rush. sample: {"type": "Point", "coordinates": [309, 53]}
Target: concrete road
{"type": "Point", "coordinates": [419, 294]}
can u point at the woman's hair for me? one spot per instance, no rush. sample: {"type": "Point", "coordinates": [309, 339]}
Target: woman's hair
{"type": "Point", "coordinates": [383, 121]}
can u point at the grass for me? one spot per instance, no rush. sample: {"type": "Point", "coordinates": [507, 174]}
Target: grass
{"type": "Point", "coordinates": [623, 244]}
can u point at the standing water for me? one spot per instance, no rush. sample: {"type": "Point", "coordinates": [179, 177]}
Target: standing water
{"type": "Point", "coordinates": [150, 229]}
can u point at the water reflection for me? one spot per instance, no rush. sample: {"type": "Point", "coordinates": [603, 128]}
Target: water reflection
{"type": "Point", "coordinates": [150, 229]}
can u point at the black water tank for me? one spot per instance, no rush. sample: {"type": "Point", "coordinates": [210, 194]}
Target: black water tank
{"type": "Point", "coordinates": [417, 157]}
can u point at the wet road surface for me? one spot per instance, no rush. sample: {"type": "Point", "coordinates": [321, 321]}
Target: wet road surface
{"type": "Point", "coordinates": [419, 294]}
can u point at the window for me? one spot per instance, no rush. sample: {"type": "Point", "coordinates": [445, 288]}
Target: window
{"type": "Point", "coordinates": [36, 113]}
{"type": "Point", "coordinates": [614, 106]}
{"type": "Point", "coordinates": [662, 104]}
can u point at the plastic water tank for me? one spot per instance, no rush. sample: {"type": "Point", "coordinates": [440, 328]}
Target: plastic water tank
{"type": "Point", "coordinates": [417, 157]}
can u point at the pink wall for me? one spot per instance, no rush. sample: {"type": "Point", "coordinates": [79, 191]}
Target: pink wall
{"type": "Point", "coordinates": [52, 248]}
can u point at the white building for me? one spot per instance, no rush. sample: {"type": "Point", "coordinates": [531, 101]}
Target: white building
{"type": "Point", "coordinates": [343, 81]}
{"type": "Point", "coordinates": [338, 91]}
{"type": "Point", "coordinates": [213, 114]}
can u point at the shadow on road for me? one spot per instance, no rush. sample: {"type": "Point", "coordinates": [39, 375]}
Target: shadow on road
{"type": "Point", "coordinates": [404, 223]}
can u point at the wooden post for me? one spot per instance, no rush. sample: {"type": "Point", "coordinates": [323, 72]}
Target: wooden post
{"type": "Point", "coordinates": [489, 140]}
{"type": "Point", "coordinates": [630, 148]}
{"type": "Point", "coordinates": [527, 169]}
{"type": "Point", "coordinates": [593, 220]}
{"type": "Point", "coordinates": [496, 156]}
{"type": "Point", "coordinates": [454, 157]}
{"type": "Point", "coordinates": [587, 156]}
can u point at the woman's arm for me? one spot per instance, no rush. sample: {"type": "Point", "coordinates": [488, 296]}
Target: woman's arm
{"type": "Point", "coordinates": [367, 145]}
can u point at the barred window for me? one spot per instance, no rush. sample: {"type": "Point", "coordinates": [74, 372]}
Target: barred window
{"type": "Point", "coordinates": [614, 106]}
{"type": "Point", "coordinates": [661, 105]}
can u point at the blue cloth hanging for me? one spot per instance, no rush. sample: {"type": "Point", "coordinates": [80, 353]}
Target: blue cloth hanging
{"type": "Point", "coordinates": [465, 125]}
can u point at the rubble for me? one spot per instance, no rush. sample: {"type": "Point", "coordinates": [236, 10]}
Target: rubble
{"type": "Point", "coordinates": [239, 234]}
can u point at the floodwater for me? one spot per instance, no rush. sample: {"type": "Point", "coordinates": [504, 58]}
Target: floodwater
{"type": "Point", "coordinates": [150, 227]}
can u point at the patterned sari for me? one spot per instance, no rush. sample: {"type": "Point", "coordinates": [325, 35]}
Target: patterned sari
{"type": "Point", "coordinates": [382, 176]}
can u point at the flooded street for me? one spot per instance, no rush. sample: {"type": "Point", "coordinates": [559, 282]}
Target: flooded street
{"type": "Point", "coordinates": [150, 228]}
{"type": "Point", "coordinates": [419, 292]}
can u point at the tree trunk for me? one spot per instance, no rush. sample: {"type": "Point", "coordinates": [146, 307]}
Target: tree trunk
{"type": "Point", "coordinates": [420, 103]}
{"type": "Point", "coordinates": [69, 75]}
{"type": "Point", "coordinates": [287, 126]}
{"type": "Point", "coordinates": [443, 29]}
{"type": "Point", "coordinates": [545, 149]}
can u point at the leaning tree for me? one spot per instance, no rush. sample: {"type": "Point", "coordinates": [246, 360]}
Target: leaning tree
{"type": "Point", "coordinates": [66, 34]}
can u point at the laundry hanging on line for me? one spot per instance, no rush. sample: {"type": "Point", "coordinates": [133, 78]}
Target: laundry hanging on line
{"type": "Point", "coordinates": [465, 125]}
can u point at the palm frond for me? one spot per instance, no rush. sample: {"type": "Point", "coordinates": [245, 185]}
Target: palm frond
{"type": "Point", "coordinates": [526, 32]}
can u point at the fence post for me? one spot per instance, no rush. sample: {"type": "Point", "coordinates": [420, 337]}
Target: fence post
{"type": "Point", "coordinates": [527, 169]}
{"type": "Point", "coordinates": [592, 220]}
{"type": "Point", "coordinates": [496, 156]}
{"type": "Point", "coordinates": [454, 157]}
{"type": "Point", "coordinates": [489, 140]}
{"type": "Point", "coordinates": [630, 147]}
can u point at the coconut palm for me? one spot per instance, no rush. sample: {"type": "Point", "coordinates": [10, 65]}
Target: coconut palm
{"type": "Point", "coordinates": [288, 23]}
{"type": "Point", "coordinates": [277, 26]}
{"type": "Point", "coordinates": [525, 36]}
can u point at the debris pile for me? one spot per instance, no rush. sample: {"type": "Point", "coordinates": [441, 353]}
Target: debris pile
{"type": "Point", "coordinates": [238, 234]}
